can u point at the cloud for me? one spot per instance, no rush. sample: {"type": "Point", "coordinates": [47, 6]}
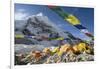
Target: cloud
{"type": "Point", "coordinates": [21, 14]}
{"type": "Point", "coordinates": [21, 10]}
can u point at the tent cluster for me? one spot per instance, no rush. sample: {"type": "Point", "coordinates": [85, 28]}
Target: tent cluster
{"type": "Point", "coordinates": [64, 53]}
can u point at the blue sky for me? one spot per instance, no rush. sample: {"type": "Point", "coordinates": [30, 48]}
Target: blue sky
{"type": "Point", "coordinates": [85, 15]}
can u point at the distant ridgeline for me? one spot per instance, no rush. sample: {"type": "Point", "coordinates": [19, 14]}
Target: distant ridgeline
{"type": "Point", "coordinates": [39, 28]}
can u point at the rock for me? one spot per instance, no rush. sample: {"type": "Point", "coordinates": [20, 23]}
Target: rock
{"type": "Point", "coordinates": [18, 59]}
{"type": "Point", "coordinates": [85, 57]}
{"type": "Point", "coordinates": [54, 59]}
